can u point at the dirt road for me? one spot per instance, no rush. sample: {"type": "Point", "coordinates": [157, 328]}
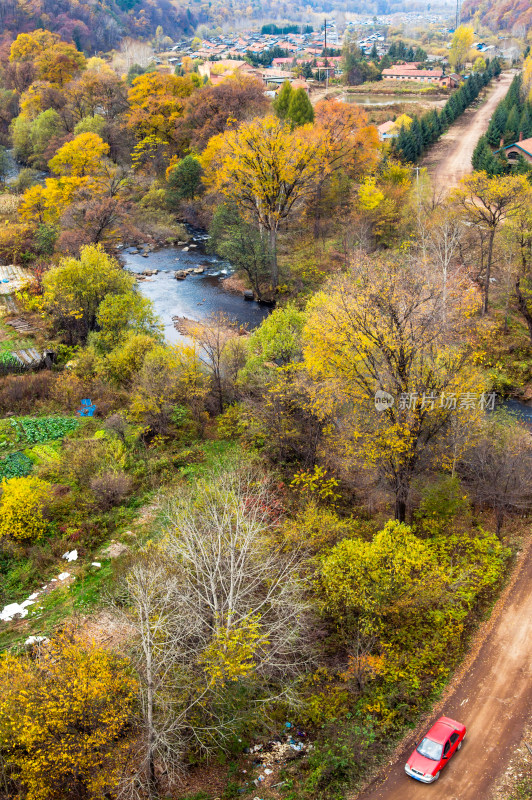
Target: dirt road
{"type": "Point", "coordinates": [491, 695]}
{"type": "Point", "coordinates": [450, 158]}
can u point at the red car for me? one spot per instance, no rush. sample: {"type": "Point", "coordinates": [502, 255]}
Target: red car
{"type": "Point", "coordinates": [434, 751]}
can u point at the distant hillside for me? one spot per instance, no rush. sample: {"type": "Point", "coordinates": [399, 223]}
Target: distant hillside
{"type": "Point", "coordinates": [96, 24]}
{"type": "Point", "coordinates": [514, 16]}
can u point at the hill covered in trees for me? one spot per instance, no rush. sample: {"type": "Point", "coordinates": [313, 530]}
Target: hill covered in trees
{"type": "Point", "coordinates": [95, 24]}
{"type": "Point", "coordinates": [508, 15]}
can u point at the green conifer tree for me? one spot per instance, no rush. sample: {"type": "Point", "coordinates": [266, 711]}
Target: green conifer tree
{"type": "Point", "coordinates": [282, 100]}
{"type": "Point", "coordinates": [300, 111]}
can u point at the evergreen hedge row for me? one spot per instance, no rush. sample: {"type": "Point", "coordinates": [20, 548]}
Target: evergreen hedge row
{"type": "Point", "coordinates": [427, 129]}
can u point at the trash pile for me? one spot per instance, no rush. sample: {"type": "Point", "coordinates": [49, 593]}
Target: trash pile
{"type": "Point", "coordinates": [272, 756]}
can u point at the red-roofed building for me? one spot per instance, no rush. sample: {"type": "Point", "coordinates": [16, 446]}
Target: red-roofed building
{"type": "Point", "coordinates": [513, 151]}
{"type": "Point", "coordinates": [407, 73]}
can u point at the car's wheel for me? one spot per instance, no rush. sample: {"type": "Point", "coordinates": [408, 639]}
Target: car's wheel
{"type": "Point", "coordinates": [459, 746]}
{"type": "Point", "coordinates": [436, 776]}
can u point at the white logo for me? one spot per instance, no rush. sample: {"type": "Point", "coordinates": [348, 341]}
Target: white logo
{"type": "Point", "coordinates": [383, 400]}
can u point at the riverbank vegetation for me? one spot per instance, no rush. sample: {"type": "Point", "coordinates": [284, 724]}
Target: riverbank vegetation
{"type": "Point", "coordinates": [246, 562]}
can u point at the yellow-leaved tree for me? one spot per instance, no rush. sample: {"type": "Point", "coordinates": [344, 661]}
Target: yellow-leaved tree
{"type": "Point", "coordinates": [80, 165]}
{"type": "Point", "coordinates": [65, 720]}
{"type": "Point", "coordinates": [387, 377]}
{"type": "Point", "coordinates": [462, 40]}
{"type": "Point", "coordinates": [486, 203]}
{"type": "Point", "coordinates": [267, 170]}
{"type": "Point", "coordinates": [80, 158]}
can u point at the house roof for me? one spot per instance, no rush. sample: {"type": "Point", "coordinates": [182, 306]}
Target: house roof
{"type": "Point", "coordinates": [414, 73]}
{"type": "Point", "coordinates": [525, 146]}
{"type": "Point", "coordinates": [386, 126]}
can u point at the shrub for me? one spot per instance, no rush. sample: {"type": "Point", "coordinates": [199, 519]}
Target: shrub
{"type": "Point", "coordinates": [18, 394]}
{"type": "Point", "coordinates": [110, 489]}
{"type": "Point", "coordinates": [21, 508]}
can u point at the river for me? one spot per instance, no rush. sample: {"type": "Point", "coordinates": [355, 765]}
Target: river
{"type": "Point", "coordinates": [197, 296]}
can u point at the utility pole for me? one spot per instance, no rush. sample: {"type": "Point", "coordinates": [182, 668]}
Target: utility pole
{"type": "Point", "coordinates": [325, 56]}
{"type": "Point", "coordinates": [458, 13]}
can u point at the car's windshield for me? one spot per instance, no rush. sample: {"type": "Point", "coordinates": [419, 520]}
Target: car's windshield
{"type": "Point", "coordinates": [430, 749]}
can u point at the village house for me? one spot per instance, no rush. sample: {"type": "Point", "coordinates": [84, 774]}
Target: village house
{"type": "Point", "coordinates": [521, 148]}
{"type": "Point", "coordinates": [387, 130]}
{"type": "Point", "coordinates": [410, 72]}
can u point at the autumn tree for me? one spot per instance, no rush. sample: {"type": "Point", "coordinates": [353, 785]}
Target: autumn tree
{"type": "Point", "coordinates": [65, 718]}
{"type": "Point", "coordinates": [119, 315]}
{"type": "Point", "coordinates": [213, 109]}
{"type": "Point", "coordinates": [486, 203]}
{"type": "Point", "coordinates": [388, 600]}
{"type": "Point", "coordinates": [84, 174]}
{"type": "Point", "coordinates": [29, 46]}
{"type": "Point", "coordinates": [156, 103]}
{"type": "Point", "coordinates": [80, 158]}
{"type": "Point", "coordinates": [75, 288]}
{"type": "Point", "coordinates": [442, 237]}
{"type": "Point", "coordinates": [267, 171]}
{"type": "Point", "coordinates": [59, 63]}
{"type": "Point", "coordinates": [168, 376]}
{"type": "Point", "coordinates": [379, 329]}
{"type": "Point", "coordinates": [461, 43]}
{"type": "Point", "coordinates": [352, 150]}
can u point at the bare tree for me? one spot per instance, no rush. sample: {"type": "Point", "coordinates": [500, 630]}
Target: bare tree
{"type": "Point", "coordinates": [442, 243]}
{"type": "Point", "coordinates": [213, 337]}
{"type": "Point", "coordinates": [190, 602]}
{"type": "Point", "coordinates": [497, 471]}
{"type": "Point", "coordinates": [223, 535]}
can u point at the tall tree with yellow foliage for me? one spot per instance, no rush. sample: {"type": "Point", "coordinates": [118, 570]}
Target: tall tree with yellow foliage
{"type": "Point", "coordinates": [386, 376]}
{"type": "Point", "coordinates": [462, 40]}
{"type": "Point", "coordinates": [268, 171]}
{"type": "Point", "coordinates": [485, 203]}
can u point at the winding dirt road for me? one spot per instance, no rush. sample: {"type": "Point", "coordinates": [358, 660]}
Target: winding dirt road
{"type": "Point", "coordinates": [491, 695]}
{"type": "Point", "coordinates": [450, 158]}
